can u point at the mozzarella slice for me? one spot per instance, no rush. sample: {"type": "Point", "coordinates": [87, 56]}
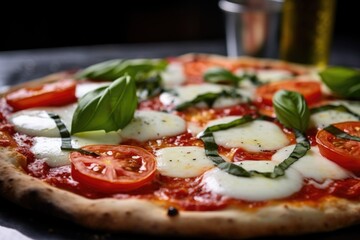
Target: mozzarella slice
{"type": "Point", "coordinates": [182, 162]}
{"type": "Point", "coordinates": [148, 125]}
{"type": "Point", "coordinates": [256, 188]}
{"type": "Point", "coordinates": [273, 75]}
{"type": "Point", "coordinates": [255, 136]}
{"type": "Point", "coordinates": [36, 122]}
{"type": "Point", "coordinates": [326, 118]}
{"type": "Point", "coordinates": [173, 75]}
{"type": "Point", "coordinates": [83, 88]}
{"type": "Point", "coordinates": [190, 92]}
{"type": "Point", "coordinates": [313, 165]}
{"type": "Point", "coordinates": [266, 75]}
{"type": "Point", "coordinates": [95, 137]}
{"type": "Point", "coordinates": [49, 148]}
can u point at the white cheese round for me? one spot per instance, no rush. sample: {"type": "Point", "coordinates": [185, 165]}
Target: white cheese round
{"type": "Point", "coordinates": [148, 125]}
{"type": "Point", "coordinates": [95, 137]}
{"type": "Point", "coordinates": [189, 92]}
{"type": "Point", "coordinates": [313, 165]}
{"type": "Point", "coordinates": [173, 75]}
{"type": "Point", "coordinates": [256, 188]}
{"type": "Point", "coordinates": [182, 162]}
{"type": "Point", "coordinates": [49, 150]}
{"type": "Point", "coordinates": [255, 136]}
{"type": "Point", "coordinates": [36, 121]}
{"type": "Point", "coordinates": [84, 88]}
{"type": "Point", "coordinates": [326, 118]}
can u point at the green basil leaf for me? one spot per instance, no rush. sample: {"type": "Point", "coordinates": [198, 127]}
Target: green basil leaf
{"type": "Point", "coordinates": [340, 133]}
{"type": "Point", "coordinates": [342, 81]}
{"type": "Point", "coordinates": [291, 110]}
{"type": "Point", "coordinates": [221, 75]}
{"type": "Point", "coordinates": [138, 69]}
{"type": "Point", "coordinates": [107, 108]}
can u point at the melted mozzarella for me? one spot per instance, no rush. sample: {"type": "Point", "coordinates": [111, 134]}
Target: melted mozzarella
{"type": "Point", "coordinates": [326, 118]}
{"type": "Point", "coordinates": [313, 165]}
{"type": "Point", "coordinates": [36, 122]}
{"type": "Point", "coordinates": [173, 75]}
{"type": "Point", "coordinates": [254, 136]}
{"type": "Point", "coordinates": [83, 88]}
{"type": "Point", "coordinates": [272, 75]}
{"type": "Point", "coordinates": [190, 92]}
{"type": "Point", "coordinates": [95, 137]}
{"type": "Point", "coordinates": [182, 162]}
{"type": "Point", "coordinates": [266, 75]}
{"type": "Point", "coordinates": [256, 188]}
{"type": "Point", "coordinates": [148, 125]}
{"type": "Point", "coordinates": [49, 148]}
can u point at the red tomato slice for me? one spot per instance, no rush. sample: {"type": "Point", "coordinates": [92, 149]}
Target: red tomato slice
{"type": "Point", "coordinates": [345, 153]}
{"type": "Point", "coordinates": [117, 168]}
{"type": "Point", "coordinates": [309, 89]}
{"type": "Point", "coordinates": [50, 94]}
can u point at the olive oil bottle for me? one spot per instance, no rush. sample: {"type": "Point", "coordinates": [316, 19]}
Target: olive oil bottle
{"type": "Point", "coordinates": [306, 34]}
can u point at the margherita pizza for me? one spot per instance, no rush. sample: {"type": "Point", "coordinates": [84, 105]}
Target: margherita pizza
{"type": "Point", "coordinates": [195, 145]}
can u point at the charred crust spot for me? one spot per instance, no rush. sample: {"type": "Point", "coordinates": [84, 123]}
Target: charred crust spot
{"type": "Point", "coordinates": [172, 212]}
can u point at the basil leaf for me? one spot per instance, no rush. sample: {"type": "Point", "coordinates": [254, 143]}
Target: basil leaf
{"type": "Point", "coordinates": [208, 98]}
{"type": "Point", "coordinates": [138, 69]}
{"type": "Point", "coordinates": [217, 75]}
{"type": "Point", "coordinates": [291, 110]}
{"type": "Point", "coordinates": [66, 137]}
{"type": "Point", "coordinates": [340, 133]}
{"type": "Point", "coordinates": [107, 108]}
{"type": "Point", "coordinates": [342, 81]}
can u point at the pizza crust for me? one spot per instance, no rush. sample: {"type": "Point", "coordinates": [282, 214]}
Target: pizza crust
{"type": "Point", "coordinates": [147, 217]}
{"type": "Point", "coordinates": [142, 216]}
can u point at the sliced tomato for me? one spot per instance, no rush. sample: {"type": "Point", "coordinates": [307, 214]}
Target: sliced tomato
{"type": "Point", "coordinates": [118, 168]}
{"type": "Point", "coordinates": [194, 69]}
{"type": "Point", "coordinates": [50, 94]}
{"type": "Point", "coordinates": [345, 153]}
{"type": "Point", "coordinates": [309, 89]}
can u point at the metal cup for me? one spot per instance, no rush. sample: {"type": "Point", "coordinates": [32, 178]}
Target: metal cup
{"type": "Point", "coordinates": [252, 27]}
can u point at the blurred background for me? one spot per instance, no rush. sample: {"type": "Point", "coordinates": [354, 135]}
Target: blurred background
{"type": "Point", "coordinates": [58, 24]}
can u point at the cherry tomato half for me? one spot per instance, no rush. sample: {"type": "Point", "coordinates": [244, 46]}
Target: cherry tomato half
{"type": "Point", "coordinates": [117, 168]}
{"type": "Point", "coordinates": [50, 94]}
{"type": "Point", "coordinates": [345, 153]}
{"type": "Point", "coordinates": [309, 89]}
